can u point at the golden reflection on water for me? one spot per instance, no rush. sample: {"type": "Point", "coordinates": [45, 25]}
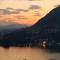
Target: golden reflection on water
{"type": "Point", "coordinates": [17, 53]}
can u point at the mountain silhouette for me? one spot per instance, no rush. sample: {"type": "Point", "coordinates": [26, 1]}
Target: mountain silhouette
{"type": "Point", "coordinates": [51, 20]}
{"type": "Point", "coordinates": [46, 28]}
{"type": "Point", "coordinates": [50, 24]}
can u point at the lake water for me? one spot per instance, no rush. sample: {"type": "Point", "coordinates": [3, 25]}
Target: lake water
{"type": "Point", "coordinates": [21, 53]}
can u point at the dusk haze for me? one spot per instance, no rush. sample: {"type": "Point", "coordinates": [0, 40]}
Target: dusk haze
{"type": "Point", "coordinates": [29, 29]}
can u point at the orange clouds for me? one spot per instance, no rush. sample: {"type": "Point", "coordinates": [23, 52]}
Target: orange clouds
{"type": "Point", "coordinates": [28, 18]}
{"type": "Point", "coordinates": [29, 10]}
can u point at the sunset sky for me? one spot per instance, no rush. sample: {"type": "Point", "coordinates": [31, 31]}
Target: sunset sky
{"type": "Point", "coordinates": [25, 11]}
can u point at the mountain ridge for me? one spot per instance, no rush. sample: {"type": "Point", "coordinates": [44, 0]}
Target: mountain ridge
{"type": "Point", "coordinates": [46, 29]}
{"type": "Point", "coordinates": [46, 25]}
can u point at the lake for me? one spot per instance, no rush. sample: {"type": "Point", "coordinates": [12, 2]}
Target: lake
{"type": "Point", "coordinates": [27, 53]}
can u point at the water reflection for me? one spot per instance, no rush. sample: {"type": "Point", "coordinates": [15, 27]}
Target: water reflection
{"type": "Point", "coordinates": [21, 53]}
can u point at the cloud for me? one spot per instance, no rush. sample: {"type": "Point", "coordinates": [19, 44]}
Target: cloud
{"type": "Point", "coordinates": [9, 11]}
{"type": "Point", "coordinates": [37, 14]}
{"type": "Point", "coordinates": [34, 7]}
{"type": "Point", "coordinates": [24, 10]}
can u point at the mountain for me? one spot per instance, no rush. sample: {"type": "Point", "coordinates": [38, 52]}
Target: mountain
{"type": "Point", "coordinates": [8, 28]}
{"type": "Point", "coordinates": [46, 28]}
{"type": "Point", "coordinates": [51, 20]}
{"type": "Point", "coordinates": [49, 25]}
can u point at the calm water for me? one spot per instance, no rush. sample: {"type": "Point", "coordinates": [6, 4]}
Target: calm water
{"type": "Point", "coordinates": [16, 53]}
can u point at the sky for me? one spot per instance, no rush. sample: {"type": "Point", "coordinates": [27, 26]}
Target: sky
{"type": "Point", "coordinates": [25, 11]}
